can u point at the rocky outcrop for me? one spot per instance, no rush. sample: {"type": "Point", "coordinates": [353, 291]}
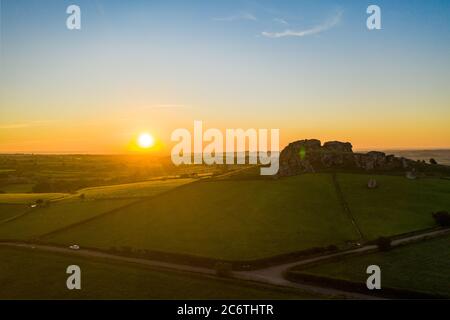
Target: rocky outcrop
{"type": "Point", "coordinates": [310, 156]}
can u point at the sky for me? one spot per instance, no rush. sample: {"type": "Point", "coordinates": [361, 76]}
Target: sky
{"type": "Point", "coordinates": [309, 68]}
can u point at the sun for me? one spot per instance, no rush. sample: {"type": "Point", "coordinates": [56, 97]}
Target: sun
{"type": "Point", "coordinates": [145, 140]}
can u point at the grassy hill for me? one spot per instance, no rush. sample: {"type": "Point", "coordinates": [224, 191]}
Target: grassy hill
{"type": "Point", "coordinates": [423, 267]}
{"type": "Point", "coordinates": [27, 198]}
{"type": "Point", "coordinates": [8, 211]}
{"type": "Point", "coordinates": [237, 218]}
{"type": "Point", "coordinates": [104, 280]}
{"type": "Point", "coordinates": [246, 219]}
{"type": "Point", "coordinates": [132, 190]}
{"type": "Point", "coordinates": [39, 221]}
{"type": "Point", "coordinates": [398, 205]}
{"type": "Point", "coordinates": [68, 209]}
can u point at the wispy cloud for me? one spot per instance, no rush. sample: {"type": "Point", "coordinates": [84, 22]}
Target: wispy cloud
{"type": "Point", "coordinates": [307, 32]}
{"type": "Point", "coordinates": [281, 21]}
{"type": "Point", "coordinates": [239, 16]}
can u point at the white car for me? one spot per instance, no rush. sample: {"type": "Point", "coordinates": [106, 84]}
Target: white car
{"type": "Point", "coordinates": [75, 247]}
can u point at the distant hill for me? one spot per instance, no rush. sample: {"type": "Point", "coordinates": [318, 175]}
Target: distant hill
{"type": "Point", "coordinates": [442, 156]}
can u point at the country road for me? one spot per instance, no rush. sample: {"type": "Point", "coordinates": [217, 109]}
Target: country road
{"type": "Point", "coordinates": [271, 275]}
{"type": "Point", "coordinates": [274, 274]}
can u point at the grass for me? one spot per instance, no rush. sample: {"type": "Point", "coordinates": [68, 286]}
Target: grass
{"type": "Point", "coordinates": [39, 275]}
{"type": "Point", "coordinates": [72, 209]}
{"type": "Point", "coordinates": [129, 190]}
{"type": "Point", "coordinates": [17, 188]}
{"type": "Point", "coordinates": [27, 198]}
{"type": "Point", "coordinates": [7, 170]}
{"type": "Point", "coordinates": [397, 206]}
{"type": "Point", "coordinates": [58, 215]}
{"type": "Point", "coordinates": [423, 267]}
{"type": "Point", "coordinates": [235, 220]}
{"type": "Point", "coordinates": [133, 190]}
{"type": "Point", "coordinates": [8, 211]}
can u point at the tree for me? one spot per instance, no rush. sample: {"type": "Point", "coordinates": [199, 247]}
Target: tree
{"type": "Point", "coordinates": [433, 161]}
{"type": "Point", "coordinates": [442, 218]}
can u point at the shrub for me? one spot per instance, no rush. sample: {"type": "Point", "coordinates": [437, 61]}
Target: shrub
{"type": "Point", "coordinates": [383, 243]}
{"type": "Point", "coordinates": [442, 218]}
{"type": "Point", "coordinates": [433, 161]}
{"type": "Point", "coordinates": [223, 269]}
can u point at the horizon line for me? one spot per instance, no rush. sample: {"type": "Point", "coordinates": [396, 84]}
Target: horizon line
{"type": "Point", "coordinates": [157, 153]}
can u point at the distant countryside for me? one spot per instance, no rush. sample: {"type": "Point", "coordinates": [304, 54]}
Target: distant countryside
{"type": "Point", "coordinates": [224, 224]}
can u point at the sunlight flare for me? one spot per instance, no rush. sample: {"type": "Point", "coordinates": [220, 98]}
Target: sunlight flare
{"type": "Point", "coordinates": [146, 140]}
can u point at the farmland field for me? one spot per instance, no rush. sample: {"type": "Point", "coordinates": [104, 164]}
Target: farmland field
{"type": "Point", "coordinates": [58, 215]}
{"type": "Point", "coordinates": [423, 267]}
{"type": "Point", "coordinates": [26, 198]}
{"type": "Point", "coordinates": [132, 190]}
{"type": "Point", "coordinates": [71, 209]}
{"type": "Point", "coordinates": [8, 211]}
{"type": "Point", "coordinates": [235, 219]}
{"type": "Point", "coordinates": [225, 219]}
{"type": "Point", "coordinates": [397, 205]}
{"type": "Point", "coordinates": [17, 188]}
{"type": "Point", "coordinates": [103, 280]}
{"type": "Point", "coordinates": [6, 170]}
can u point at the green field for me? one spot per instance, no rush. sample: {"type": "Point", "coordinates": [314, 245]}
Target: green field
{"type": "Point", "coordinates": [132, 190]}
{"type": "Point", "coordinates": [71, 209]}
{"type": "Point", "coordinates": [39, 275]}
{"type": "Point", "coordinates": [42, 220]}
{"type": "Point", "coordinates": [398, 205]}
{"type": "Point", "coordinates": [235, 219]}
{"type": "Point", "coordinates": [7, 211]}
{"type": "Point", "coordinates": [423, 267]}
{"type": "Point", "coordinates": [226, 219]}
{"type": "Point", "coordinates": [128, 190]}
{"type": "Point", "coordinates": [17, 188]}
{"type": "Point", "coordinates": [7, 170]}
{"type": "Point", "coordinates": [27, 198]}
